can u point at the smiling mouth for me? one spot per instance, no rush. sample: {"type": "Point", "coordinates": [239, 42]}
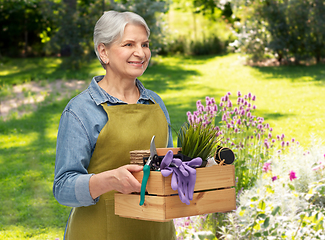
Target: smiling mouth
{"type": "Point", "coordinates": [136, 62]}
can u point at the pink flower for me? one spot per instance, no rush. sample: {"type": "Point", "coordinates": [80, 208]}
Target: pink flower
{"type": "Point", "coordinates": [292, 175]}
{"type": "Point", "coordinates": [266, 167]}
{"type": "Point", "coordinates": [274, 178]}
{"type": "Point", "coordinates": [321, 166]}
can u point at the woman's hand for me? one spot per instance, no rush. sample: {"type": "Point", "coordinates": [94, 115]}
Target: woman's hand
{"type": "Point", "coordinates": [119, 179]}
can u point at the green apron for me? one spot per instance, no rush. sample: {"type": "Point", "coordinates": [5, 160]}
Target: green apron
{"type": "Point", "coordinates": [129, 127]}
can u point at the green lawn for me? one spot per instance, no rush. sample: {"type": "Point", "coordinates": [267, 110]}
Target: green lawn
{"type": "Point", "coordinates": [289, 98]}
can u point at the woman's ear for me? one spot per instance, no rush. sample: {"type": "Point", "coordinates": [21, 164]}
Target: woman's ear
{"type": "Point", "coordinates": [102, 50]}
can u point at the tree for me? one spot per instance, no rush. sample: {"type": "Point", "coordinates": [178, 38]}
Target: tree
{"type": "Point", "coordinates": [270, 27]}
{"type": "Point", "coordinates": [22, 23]}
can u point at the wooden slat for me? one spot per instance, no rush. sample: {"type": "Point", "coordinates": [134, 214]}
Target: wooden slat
{"type": "Point", "coordinates": [163, 151]}
{"type": "Point", "coordinates": [165, 208]}
{"type": "Point", "coordinates": [203, 202]}
{"type": "Point", "coordinates": [153, 209]}
{"type": "Point", "coordinates": [206, 178]}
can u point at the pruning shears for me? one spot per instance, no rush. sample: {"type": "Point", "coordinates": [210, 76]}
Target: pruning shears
{"type": "Point", "coordinates": [146, 169]}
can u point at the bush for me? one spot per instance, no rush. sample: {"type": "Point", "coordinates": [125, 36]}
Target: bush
{"type": "Point", "coordinates": [183, 45]}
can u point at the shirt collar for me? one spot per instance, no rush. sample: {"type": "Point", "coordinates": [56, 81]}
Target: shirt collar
{"type": "Point", "coordinates": [100, 96]}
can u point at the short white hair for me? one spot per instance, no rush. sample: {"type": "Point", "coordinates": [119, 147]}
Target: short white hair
{"type": "Point", "coordinates": [110, 28]}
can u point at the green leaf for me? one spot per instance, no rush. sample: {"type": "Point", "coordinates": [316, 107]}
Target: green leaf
{"type": "Point", "coordinates": [258, 234]}
{"type": "Point", "coordinates": [275, 210]}
{"type": "Point", "coordinates": [266, 222]}
{"type": "Point", "coordinates": [262, 215]}
{"type": "Point", "coordinates": [261, 205]}
{"type": "Point", "coordinates": [291, 187]}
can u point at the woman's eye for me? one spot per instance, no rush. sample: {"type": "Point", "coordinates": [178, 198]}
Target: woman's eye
{"type": "Point", "coordinates": [128, 45]}
{"type": "Point", "coordinates": [145, 45]}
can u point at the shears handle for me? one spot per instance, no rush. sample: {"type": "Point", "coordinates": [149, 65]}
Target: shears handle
{"type": "Point", "coordinates": [146, 173]}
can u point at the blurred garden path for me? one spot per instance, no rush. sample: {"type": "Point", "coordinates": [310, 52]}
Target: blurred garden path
{"type": "Point", "coordinates": [24, 98]}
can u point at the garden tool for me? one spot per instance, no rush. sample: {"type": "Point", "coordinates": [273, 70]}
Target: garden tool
{"type": "Point", "coordinates": [146, 169]}
{"type": "Point", "coordinates": [183, 175]}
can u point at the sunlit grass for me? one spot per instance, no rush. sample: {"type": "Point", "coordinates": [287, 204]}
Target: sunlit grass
{"type": "Point", "coordinates": [18, 71]}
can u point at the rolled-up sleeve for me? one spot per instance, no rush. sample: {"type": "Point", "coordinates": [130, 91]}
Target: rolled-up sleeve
{"type": "Point", "coordinates": [73, 153]}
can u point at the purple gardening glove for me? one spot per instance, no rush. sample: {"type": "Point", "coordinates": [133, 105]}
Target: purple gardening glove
{"type": "Point", "coordinates": [184, 175]}
{"type": "Point", "coordinates": [190, 167]}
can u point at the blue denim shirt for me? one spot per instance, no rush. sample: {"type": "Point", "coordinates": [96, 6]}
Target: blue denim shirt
{"type": "Point", "coordinates": [81, 122]}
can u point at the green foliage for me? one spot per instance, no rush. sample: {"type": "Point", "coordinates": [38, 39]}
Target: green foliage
{"type": "Point", "coordinates": [192, 32]}
{"type": "Point", "coordinates": [270, 27]}
{"type": "Point", "coordinates": [23, 27]}
{"type": "Point", "coordinates": [198, 140]}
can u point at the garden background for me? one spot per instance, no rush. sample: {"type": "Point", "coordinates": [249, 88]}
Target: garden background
{"type": "Point", "coordinates": [201, 48]}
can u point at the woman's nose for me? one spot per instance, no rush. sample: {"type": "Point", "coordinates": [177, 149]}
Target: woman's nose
{"type": "Point", "coordinates": [139, 52]}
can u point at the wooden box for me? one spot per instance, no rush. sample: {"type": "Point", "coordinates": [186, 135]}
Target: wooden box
{"type": "Point", "coordinates": [214, 192]}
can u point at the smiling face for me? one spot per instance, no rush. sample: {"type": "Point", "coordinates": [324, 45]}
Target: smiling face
{"type": "Point", "coordinates": [129, 57]}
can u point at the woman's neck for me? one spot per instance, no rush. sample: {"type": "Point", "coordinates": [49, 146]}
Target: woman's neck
{"type": "Point", "coordinates": [125, 90]}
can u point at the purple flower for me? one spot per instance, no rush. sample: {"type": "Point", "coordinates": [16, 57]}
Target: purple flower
{"type": "Point", "coordinates": [266, 167]}
{"type": "Point", "coordinates": [292, 175]}
{"type": "Point", "coordinates": [249, 95]}
{"type": "Point", "coordinates": [254, 98]}
{"type": "Point", "coordinates": [274, 178]}
{"type": "Point", "coordinates": [228, 93]}
{"type": "Point", "coordinates": [238, 93]}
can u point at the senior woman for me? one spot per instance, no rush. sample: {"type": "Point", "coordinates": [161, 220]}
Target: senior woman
{"type": "Point", "coordinates": [98, 129]}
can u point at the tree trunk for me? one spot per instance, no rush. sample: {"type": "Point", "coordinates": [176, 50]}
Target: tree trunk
{"type": "Point", "coordinates": [71, 7]}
